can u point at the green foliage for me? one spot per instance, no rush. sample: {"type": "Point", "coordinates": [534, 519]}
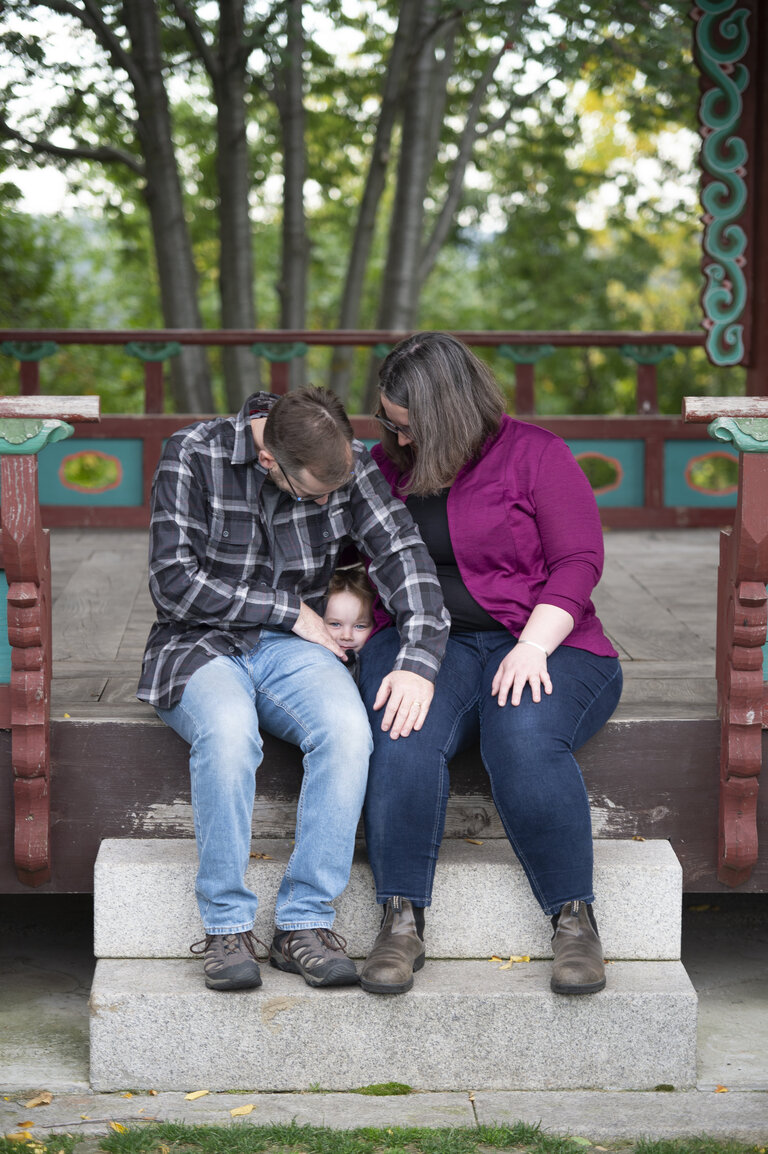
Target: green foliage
{"type": "Point", "coordinates": [555, 228]}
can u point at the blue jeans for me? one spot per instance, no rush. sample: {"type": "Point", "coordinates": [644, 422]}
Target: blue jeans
{"type": "Point", "coordinates": [300, 692]}
{"type": "Point", "coordinates": [527, 750]}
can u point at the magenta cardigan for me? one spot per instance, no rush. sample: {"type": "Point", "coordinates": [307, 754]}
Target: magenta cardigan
{"type": "Point", "coordinates": [525, 530]}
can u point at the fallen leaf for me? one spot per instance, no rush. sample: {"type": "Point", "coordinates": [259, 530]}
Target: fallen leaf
{"type": "Point", "coordinates": [127, 1094]}
{"type": "Point", "coordinates": [473, 841]}
{"type": "Point", "coordinates": [495, 958]}
{"type": "Point", "coordinates": [118, 1127]}
{"type": "Point", "coordinates": [152, 1093]}
{"type": "Point", "coordinates": [85, 1117]}
{"type": "Point", "coordinates": [514, 958]}
{"type": "Point", "coordinates": [24, 1125]}
{"type": "Point", "coordinates": [721, 1089]}
{"type": "Point", "coordinates": [261, 856]}
{"type": "Point", "coordinates": [471, 1095]}
{"type": "Point", "coordinates": [19, 1136]}
{"type": "Point", "coordinates": [195, 1094]}
{"type": "Point", "coordinates": [44, 1098]}
{"type": "Point", "coordinates": [164, 1149]}
{"type": "Point", "coordinates": [240, 1110]}
{"type": "Point", "coordinates": [67, 714]}
{"type": "Point", "coordinates": [635, 838]}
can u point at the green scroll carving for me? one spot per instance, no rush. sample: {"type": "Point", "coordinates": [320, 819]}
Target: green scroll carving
{"type": "Point", "coordinates": [525, 354]}
{"type": "Point", "coordinates": [28, 350]}
{"type": "Point", "coordinates": [20, 435]}
{"type": "Point", "coordinates": [278, 352]}
{"type": "Point", "coordinates": [647, 354]}
{"type": "Point", "coordinates": [149, 351]}
{"type": "Point", "coordinates": [747, 434]}
{"type": "Point", "coordinates": [722, 40]}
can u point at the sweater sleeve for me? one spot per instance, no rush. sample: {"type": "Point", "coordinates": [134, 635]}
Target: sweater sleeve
{"type": "Point", "coordinates": [569, 527]}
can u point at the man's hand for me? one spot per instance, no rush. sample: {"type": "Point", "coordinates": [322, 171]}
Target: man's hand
{"type": "Point", "coordinates": [311, 627]}
{"type": "Point", "coordinates": [408, 697]}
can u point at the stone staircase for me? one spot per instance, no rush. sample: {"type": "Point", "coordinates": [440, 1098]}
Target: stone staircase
{"type": "Point", "coordinates": [470, 1021]}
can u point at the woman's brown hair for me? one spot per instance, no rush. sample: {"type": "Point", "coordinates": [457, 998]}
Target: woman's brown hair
{"type": "Point", "coordinates": [454, 405]}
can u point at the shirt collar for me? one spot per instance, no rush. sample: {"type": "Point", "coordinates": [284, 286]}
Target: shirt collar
{"type": "Point", "coordinates": [245, 451]}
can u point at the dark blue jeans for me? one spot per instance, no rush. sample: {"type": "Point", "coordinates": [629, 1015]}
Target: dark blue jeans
{"type": "Point", "coordinates": [527, 751]}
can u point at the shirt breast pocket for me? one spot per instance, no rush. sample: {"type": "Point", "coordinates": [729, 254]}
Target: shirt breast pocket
{"type": "Point", "coordinates": [325, 531]}
{"type": "Point", "coordinates": [232, 539]}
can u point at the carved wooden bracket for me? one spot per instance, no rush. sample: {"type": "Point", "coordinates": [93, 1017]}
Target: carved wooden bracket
{"type": "Point", "coordinates": [742, 619]}
{"type": "Point", "coordinates": [25, 549]}
{"type": "Point", "coordinates": [26, 557]}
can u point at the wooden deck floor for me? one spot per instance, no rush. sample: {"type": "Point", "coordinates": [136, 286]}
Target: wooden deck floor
{"type": "Point", "coordinates": [656, 600]}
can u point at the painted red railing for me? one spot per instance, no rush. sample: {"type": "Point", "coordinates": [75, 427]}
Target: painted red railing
{"type": "Point", "coordinates": [742, 618]}
{"type": "Point", "coordinates": [640, 448]}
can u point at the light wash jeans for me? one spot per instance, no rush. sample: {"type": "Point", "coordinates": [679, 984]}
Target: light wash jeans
{"type": "Point", "coordinates": [300, 692]}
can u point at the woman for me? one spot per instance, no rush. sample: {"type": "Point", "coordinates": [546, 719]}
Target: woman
{"type": "Point", "coordinates": [513, 528]}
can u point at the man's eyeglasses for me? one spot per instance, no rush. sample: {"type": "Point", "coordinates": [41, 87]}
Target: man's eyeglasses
{"type": "Point", "coordinates": [403, 430]}
{"type": "Point", "coordinates": [310, 496]}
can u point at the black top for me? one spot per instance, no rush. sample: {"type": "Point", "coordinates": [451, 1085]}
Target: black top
{"type": "Point", "coordinates": [431, 516]}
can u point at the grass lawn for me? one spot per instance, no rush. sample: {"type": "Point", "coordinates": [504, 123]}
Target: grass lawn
{"type": "Point", "coordinates": [245, 1138]}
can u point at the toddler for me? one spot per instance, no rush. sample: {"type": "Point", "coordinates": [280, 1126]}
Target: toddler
{"type": "Point", "coordinates": [349, 609]}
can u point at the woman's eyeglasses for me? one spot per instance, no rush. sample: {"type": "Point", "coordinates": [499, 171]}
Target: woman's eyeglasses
{"type": "Point", "coordinates": [310, 496]}
{"type": "Point", "coordinates": [403, 430]}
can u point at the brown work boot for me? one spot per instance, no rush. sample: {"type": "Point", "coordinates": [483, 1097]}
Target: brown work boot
{"type": "Point", "coordinates": [398, 950]}
{"type": "Point", "coordinates": [578, 967]}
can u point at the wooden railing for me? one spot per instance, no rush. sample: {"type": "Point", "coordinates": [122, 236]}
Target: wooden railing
{"type": "Point", "coordinates": [648, 457]}
{"type": "Point", "coordinates": [27, 425]}
{"type": "Point", "coordinates": [742, 617]}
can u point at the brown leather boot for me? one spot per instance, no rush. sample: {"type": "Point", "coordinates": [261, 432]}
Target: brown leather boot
{"type": "Point", "coordinates": [398, 950]}
{"type": "Point", "coordinates": [578, 966]}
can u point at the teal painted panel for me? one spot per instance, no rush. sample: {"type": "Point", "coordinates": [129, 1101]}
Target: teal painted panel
{"type": "Point", "coordinates": [5, 649]}
{"type": "Point", "coordinates": [677, 490]}
{"type": "Point", "coordinates": [630, 459]}
{"type": "Point", "coordinates": [128, 490]}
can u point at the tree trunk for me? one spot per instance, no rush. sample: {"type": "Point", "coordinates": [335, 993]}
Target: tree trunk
{"type": "Point", "coordinates": [400, 286]}
{"type": "Point", "coordinates": [289, 95]}
{"type": "Point", "coordinates": [349, 313]}
{"type": "Point", "coordinates": [236, 272]}
{"type": "Point", "coordinates": [190, 378]}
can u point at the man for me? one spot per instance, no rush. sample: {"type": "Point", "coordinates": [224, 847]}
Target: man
{"type": "Point", "coordinates": [249, 516]}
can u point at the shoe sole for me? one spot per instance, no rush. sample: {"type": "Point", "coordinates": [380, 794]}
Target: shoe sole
{"type": "Point", "coordinates": [593, 988]}
{"type": "Point", "coordinates": [223, 984]}
{"type": "Point", "coordinates": [400, 988]}
{"type": "Point", "coordinates": [345, 978]}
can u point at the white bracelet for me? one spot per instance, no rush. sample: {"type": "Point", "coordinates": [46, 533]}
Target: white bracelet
{"type": "Point", "coordinates": [535, 644]}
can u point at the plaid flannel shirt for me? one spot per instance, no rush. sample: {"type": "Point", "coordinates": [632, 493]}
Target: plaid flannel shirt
{"type": "Point", "coordinates": [211, 566]}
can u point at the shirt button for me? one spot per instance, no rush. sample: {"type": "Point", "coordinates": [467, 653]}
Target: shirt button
{"type": "Point", "coordinates": [232, 649]}
{"type": "Point", "coordinates": [225, 533]}
{"type": "Point", "coordinates": [326, 533]}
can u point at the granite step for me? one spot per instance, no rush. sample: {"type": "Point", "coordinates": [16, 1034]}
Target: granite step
{"type": "Point", "coordinates": [474, 1024]}
{"type": "Point", "coordinates": [144, 903]}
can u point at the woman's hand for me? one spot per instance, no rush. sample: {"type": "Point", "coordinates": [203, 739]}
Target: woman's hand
{"type": "Point", "coordinates": [523, 665]}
